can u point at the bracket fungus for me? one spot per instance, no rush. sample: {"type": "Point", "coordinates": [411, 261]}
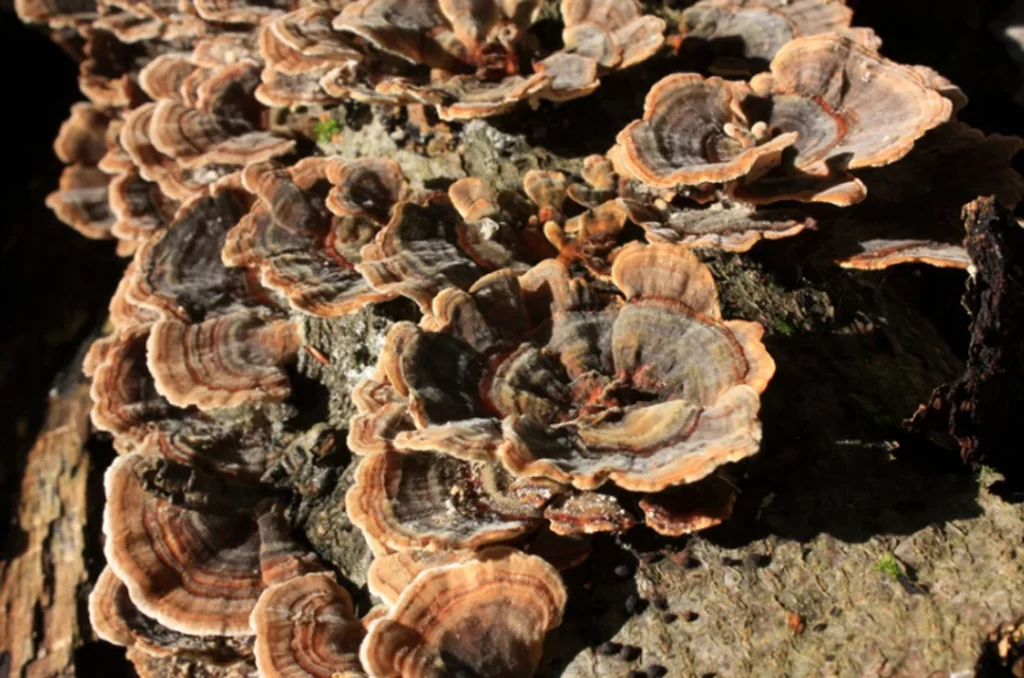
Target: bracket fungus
{"type": "Point", "coordinates": [558, 377]}
{"type": "Point", "coordinates": [828, 106]}
{"type": "Point", "coordinates": [542, 377]}
{"type": "Point", "coordinates": [486, 616]}
{"type": "Point", "coordinates": [741, 34]}
{"type": "Point", "coordinates": [306, 626]}
{"type": "Point", "coordinates": [478, 51]}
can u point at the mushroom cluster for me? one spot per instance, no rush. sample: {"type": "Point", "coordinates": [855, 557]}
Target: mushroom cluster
{"type": "Point", "coordinates": [563, 367]}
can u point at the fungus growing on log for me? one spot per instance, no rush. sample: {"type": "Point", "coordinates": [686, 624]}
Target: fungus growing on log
{"type": "Point", "coordinates": [197, 568]}
{"type": "Point", "coordinates": [487, 616]}
{"type": "Point", "coordinates": [306, 626]}
{"type": "Point", "coordinates": [738, 32]}
{"type": "Point", "coordinates": [478, 51]}
{"type": "Point", "coordinates": [193, 572]}
{"type": "Point", "coordinates": [434, 501]}
{"type": "Point", "coordinates": [694, 132]}
{"type": "Point", "coordinates": [306, 231]}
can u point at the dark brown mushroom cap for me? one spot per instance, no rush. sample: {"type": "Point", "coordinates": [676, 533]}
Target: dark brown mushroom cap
{"type": "Point", "coordinates": [178, 272]}
{"type": "Point", "coordinates": [306, 626]}
{"type": "Point", "coordinates": [845, 100]}
{"type": "Point", "coordinates": [419, 500]}
{"type": "Point", "coordinates": [689, 508]}
{"type": "Point", "coordinates": [762, 27]}
{"type": "Point", "coordinates": [224, 361]}
{"type": "Point", "coordinates": [584, 386]}
{"type": "Point", "coordinates": [139, 206]}
{"type": "Point", "coordinates": [694, 132]}
{"type": "Point", "coordinates": [305, 234]}
{"type": "Point", "coordinates": [487, 617]}
{"type": "Point", "coordinates": [194, 572]}
{"type": "Point", "coordinates": [125, 399]}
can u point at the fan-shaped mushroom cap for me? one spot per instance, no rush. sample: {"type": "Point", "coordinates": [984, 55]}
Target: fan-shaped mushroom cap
{"type": "Point", "coordinates": [694, 132]}
{"type": "Point", "coordinates": [734, 227]}
{"type": "Point", "coordinates": [179, 274]}
{"type": "Point", "coordinates": [585, 386]}
{"type": "Point", "coordinates": [614, 33]}
{"type": "Point", "coordinates": [434, 501]}
{"type": "Point", "coordinates": [193, 572]}
{"type": "Point", "coordinates": [124, 397]}
{"type": "Point", "coordinates": [704, 383]}
{"type": "Point", "coordinates": [224, 48]}
{"type": "Point", "coordinates": [389, 575]}
{"type": "Point", "coordinates": [416, 254]}
{"type": "Point", "coordinates": [763, 26]}
{"type": "Point", "coordinates": [196, 138]}
{"type": "Point", "coordinates": [115, 619]}
{"type": "Point", "coordinates": [240, 11]}
{"type": "Point", "coordinates": [875, 109]}
{"type": "Point", "coordinates": [82, 137]}
{"type": "Point", "coordinates": [306, 232]}
{"type": "Point", "coordinates": [487, 616]}
{"type": "Point", "coordinates": [222, 362]}
{"type": "Point", "coordinates": [851, 109]}
{"type": "Point", "coordinates": [162, 77]}
{"type": "Point", "coordinates": [80, 201]}
{"type": "Point", "coordinates": [306, 626]}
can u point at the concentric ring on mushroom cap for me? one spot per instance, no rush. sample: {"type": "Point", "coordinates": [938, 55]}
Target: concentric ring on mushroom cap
{"type": "Point", "coordinates": [876, 108]}
{"type": "Point", "coordinates": [306, 626]}
{"type": "Point", "coordinates": [487, 616]}
{"type": "Point", "coordinates": [435, 501]}
{"type": "Point", "coordinates": [694, 132]}
{"type": "Point", "coordinates": [193, 572]}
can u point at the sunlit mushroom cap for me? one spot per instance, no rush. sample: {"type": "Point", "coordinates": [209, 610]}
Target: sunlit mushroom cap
{"type": "Point", "coordinates": [487, 616]}
{"type": "Point", "coordinates": [194, 572]}
{"type": "Point", "coordinates": [762, 27]}
{"type": "Point", "coordinates": [306, 626]}
{"type": "Point", "coordinates": [556, 379]}
{"type": "Point", "coordinates": [305, 233]}
{"type": "Point", "coordinates": [115, 618]}
{"type": "Point", "coordinates": [222, 362]}
{"type": "Point", "coordinates": [434, 501]}
{"type": "Point", "coordinates": [694, 132]}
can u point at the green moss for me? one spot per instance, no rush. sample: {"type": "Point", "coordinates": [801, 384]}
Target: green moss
{"type": "Point", "coordinates": [888, 564]}
{"type": "Point", "coordinates": [782, 327]}
{"type": "Point", "coordinates": [326, 129]}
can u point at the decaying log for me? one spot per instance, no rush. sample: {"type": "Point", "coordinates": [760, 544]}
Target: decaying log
{"type": "Point", "coordinates": [44, 583]}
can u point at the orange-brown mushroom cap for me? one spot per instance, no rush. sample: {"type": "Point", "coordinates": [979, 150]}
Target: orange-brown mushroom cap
{"type": "Point", "coordinates": [762, 27]}
{"type": "Point", "coordinates": [193, 572]}
{"type": "Point", "coordinates": [435, 501]}
{"type": "Point", "coordinates": [306, 626]}
{"type": "Point", "coordinates": [222, 362]}
{"type": "Point", "coordinates": [484, 617]}
{"type": "Point", "coordinates": [694, 132]}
